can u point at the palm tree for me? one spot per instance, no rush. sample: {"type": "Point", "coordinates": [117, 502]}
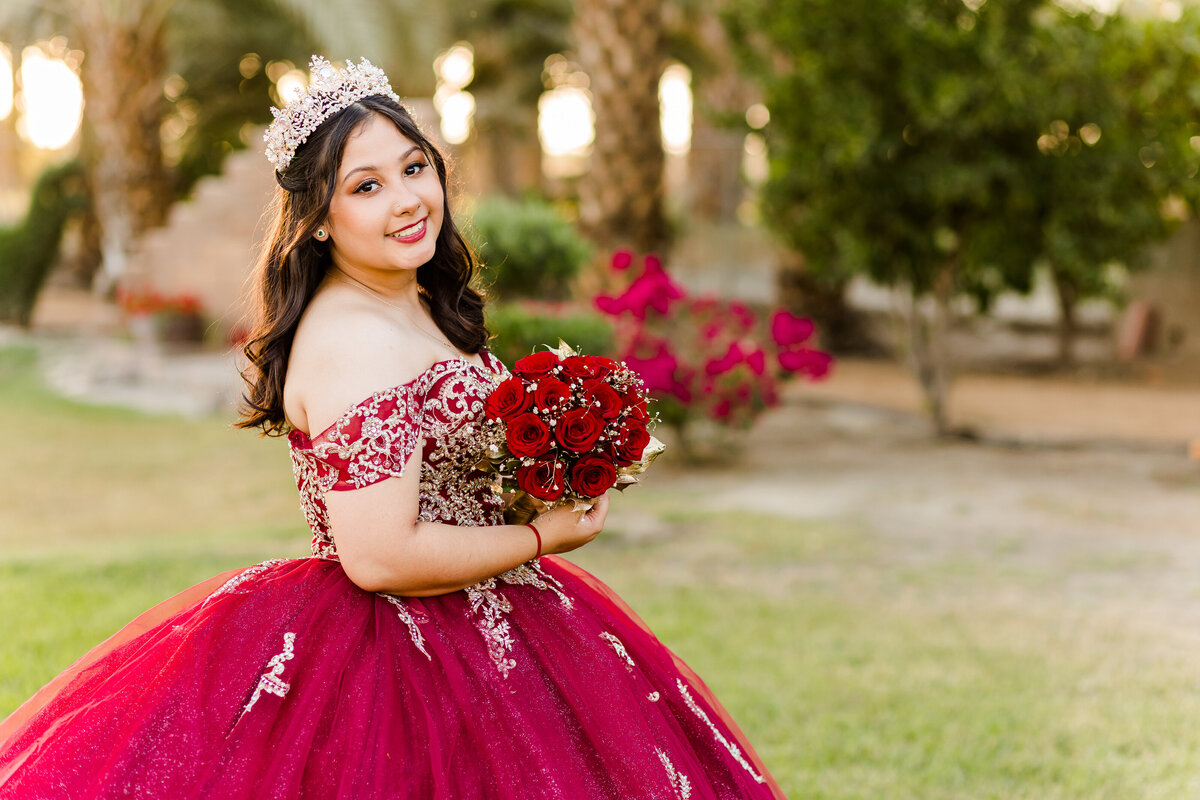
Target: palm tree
{"type": "Point", "coordinates": [620, 45]}
{"type": "Point", "coordinates": [125, 66]}
{"type": "Point", "coordinates": [123, 72]}
{"type": "Point", "coordinates": [512, 40]}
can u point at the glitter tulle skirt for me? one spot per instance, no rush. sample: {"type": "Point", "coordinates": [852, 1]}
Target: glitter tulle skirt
{"type": "Point", "coordinates": [286, 680]}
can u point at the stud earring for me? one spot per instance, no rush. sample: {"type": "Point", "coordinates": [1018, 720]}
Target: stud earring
{"type": "Point", "coordinates": [321, 234]}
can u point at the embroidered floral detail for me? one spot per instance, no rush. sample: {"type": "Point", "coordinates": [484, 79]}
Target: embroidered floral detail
{"type": "Point", "coordinates": [248, 573]}
{"type": "Point", "coordinates": [679, 781]}
{"type": "Point", "coordinates": [483, 599]}
{"type": "Point", "coordinates": [531, 574]}
{"type": "Point", "coordinates": [619, 647]}
{"type": "Point", "coordinates": [312, 502]}
{"type": "Point", "coordinates": [408, 618]}
{"type": "Point", "coordinates": [486, 598]}
{"type": "Point", "coordinates": [270, 681]}
{"type": "Point", "coordinates": [653, 697]}
{"type": "Point", "coordinates": [374, 440]}
{"type": "Point", "coordinates": [733, 749]}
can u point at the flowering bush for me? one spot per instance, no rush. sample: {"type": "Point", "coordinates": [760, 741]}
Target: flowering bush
{"type": "Point", "coordinates": [702, 356]}
{"type": "Point", "coordinates": [154, 316]}
{"type": "Point", "coordinates": [147, 302]}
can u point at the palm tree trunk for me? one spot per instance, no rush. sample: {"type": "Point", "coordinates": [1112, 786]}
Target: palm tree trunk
{"type": "Point", "coordinates": [721, 90]}
{"type": "Point", "coordinates": [123, 76]}
{"type": "Point", "coordinates": [620, 47]}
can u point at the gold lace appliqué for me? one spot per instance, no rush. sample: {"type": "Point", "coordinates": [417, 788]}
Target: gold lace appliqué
{"type": "Point", "coordinates": [271, 681]}
{"type": "Point", "coordinates": [733, 749]}
{"type": "Point", "coordinates": [409, 619]}
{"type": "Point", "coordinates": [679, 781]}
{"type": "Point", "coordinates": [619, 648]}
{"type": "Point", "coordinates": [489, 606]}
{"type": "Point", "coordinates": [248, 573]}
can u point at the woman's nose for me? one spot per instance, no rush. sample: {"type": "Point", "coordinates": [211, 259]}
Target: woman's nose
{"type": "Point", "coordinates": [405, 200]}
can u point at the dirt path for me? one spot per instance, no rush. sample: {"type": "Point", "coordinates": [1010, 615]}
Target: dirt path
{"type": "Point", "coordinates": [1104, 532]}
{"type": "Point", "coordinates": [1041, 409]}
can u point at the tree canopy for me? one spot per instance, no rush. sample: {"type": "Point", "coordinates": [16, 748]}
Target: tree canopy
{"type": "Point", "coordinates": [953, 146]}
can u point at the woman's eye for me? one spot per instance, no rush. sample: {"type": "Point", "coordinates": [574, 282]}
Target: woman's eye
{"type": "Point", "coordinates": [414, 168]}
{"type": "Point", "coordinates": [365, 186]}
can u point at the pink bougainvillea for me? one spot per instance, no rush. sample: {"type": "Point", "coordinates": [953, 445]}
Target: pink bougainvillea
{"type": "Point", "coordinates": [702, 355]}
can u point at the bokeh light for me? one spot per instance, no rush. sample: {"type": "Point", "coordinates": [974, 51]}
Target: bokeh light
{"type": "Point", "coordinates": [456, 66]}
{"type": "Point", "coordinates": [455, 69]}
{"type": "Point", "coordinates": [51, 100]}
{"type": "Point", "coordinates": [566, 123]}
{"type": "Point", "coordinates": [290, 84]}
{"type": "Point", "coordinates": [757, 116]}
{"type": "Point", "coordinates": [675, 108]}
{"type": "Point", "coordinates": [457, 111]}
{"type": "Point", "coordinates": [6, 82]}
{"type": "Point", "coordinates": [755, 162]}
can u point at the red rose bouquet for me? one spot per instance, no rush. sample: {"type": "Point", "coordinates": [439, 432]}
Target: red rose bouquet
{"type": "Point", "coordinates": [567, 427]}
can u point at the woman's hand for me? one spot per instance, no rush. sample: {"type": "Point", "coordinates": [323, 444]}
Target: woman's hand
{"type": "Point", "coordinates": [563, 529]}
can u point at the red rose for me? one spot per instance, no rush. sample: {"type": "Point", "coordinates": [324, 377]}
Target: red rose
{"type": "Point", "coordinates": [543, 479]}
{"type": "Point", "coordinates": [578, 367]}
{"type": "Point", "coordinates": [611, 452]}
{"type": "Point", "coordinates": [635, 401]}
{"type": "Point", "coordinates": [592, 476]}
{"type": "Point", "coordinates": [536, 365]}
{"type": "Point", "coordinates": [528, 436]}
{"type": "Point", "coordinates": [602, 397]}
{"type": "Point", "coordinates": [603, 367]}
{"type": "Point", "coordinates": [551, 393]}
{"type": "Point", "coordinates": [632, 441]}
{"type": "Point", "coordinates": [507, 400]}
{"type": "Point", "coordinates": [578, 429]}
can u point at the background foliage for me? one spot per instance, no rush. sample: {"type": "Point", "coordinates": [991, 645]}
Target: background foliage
{"type": "Point", "coordinates": [953, 148]}
{"type": "Point", "coordinates": [527, 248]}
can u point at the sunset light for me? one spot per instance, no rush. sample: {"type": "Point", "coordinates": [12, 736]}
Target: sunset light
{"type": "Point", "coordinates": [51, 100]}
{"type": "Point", "coordinates": [6, 82]}
{"type": "Point", "coordinates": [675, 108]}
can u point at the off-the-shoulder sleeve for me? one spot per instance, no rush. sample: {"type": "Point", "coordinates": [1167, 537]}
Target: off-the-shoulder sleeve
{"type": "Point", "coordinates": [371, 441]}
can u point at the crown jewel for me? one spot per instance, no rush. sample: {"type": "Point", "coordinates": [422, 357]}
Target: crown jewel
{"type": "Point", "coordinates": [329, 91]}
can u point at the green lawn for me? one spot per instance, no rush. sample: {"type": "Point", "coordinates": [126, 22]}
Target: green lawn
{"type": "Point", "coordinates": [853, 677]}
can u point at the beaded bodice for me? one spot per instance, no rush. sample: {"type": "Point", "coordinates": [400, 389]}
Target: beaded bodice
{"type": "Point", "coordinates": [439, 411]}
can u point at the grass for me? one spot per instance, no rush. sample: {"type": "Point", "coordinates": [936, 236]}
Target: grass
{"type": "Point", "coordinates": [854, 677]}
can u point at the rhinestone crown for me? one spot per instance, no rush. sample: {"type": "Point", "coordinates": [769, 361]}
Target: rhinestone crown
{"type": "Point", "coordinates": [329, 91]}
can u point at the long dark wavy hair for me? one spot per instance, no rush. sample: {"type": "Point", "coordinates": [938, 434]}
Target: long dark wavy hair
{"type": "Point", "coordinates": [293, 263]}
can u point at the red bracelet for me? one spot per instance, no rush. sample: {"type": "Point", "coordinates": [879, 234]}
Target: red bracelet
{"type": "Point", "coordinates": [539, 538]}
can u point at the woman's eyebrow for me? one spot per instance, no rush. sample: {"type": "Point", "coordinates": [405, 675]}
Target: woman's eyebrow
{"type": "Point", "coordinates": [373, 168]}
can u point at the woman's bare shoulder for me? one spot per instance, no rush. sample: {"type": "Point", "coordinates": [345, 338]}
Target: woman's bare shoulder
{"type": "Point", "coordinates": [346, 348]}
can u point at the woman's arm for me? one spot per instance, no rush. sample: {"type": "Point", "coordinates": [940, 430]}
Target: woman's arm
{"type": "Point", "coordinates": [383, 547]}
{"type": "Point", "coordinates": [344, 351]}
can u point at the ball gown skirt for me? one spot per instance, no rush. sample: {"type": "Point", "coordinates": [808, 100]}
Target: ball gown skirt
{"type": "Point", "coordinates": [286, 680]}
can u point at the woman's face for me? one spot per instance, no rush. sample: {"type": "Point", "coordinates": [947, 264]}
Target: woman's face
{"type": "Point", "coordinates": [387, 205]}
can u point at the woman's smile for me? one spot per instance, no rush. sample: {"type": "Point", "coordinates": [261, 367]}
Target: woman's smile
{"type": "Point", "coordinates": [413, 233]}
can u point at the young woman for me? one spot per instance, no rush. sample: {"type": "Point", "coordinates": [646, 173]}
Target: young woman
{"type": "Point", "coordinates": [426, 649]}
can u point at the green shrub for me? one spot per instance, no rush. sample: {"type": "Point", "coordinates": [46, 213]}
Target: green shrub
{"type": "Point", "coordinates": [527, 248]}
{"type": "Point", "coordinates": [28, 250]}
{"type": "Point", "coordinates": [520, 327]}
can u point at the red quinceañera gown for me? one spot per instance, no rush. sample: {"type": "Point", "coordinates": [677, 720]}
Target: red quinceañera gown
{"type": "Point", "coordinates": [286, 680]}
